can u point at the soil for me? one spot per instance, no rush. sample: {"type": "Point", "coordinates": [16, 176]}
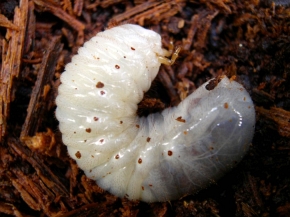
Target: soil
{"type": "Point", "coordinates": [248, 40]}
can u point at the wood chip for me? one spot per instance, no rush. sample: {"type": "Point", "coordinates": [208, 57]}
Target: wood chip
{"type": "Point", "coordinates": [11, 62]}
{"type": "Point", "coordinates": [247, 39]}
{"type": "Point", "coordinates": [60, 13]}
{"type": "Point", "coordinates": [277, 119]}
{"type": "Point", "coordinates": [4, 22]}
{"type": "Point", "coordinates": [38, 102]}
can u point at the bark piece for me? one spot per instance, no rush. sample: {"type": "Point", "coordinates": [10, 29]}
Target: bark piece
{"type": "Point", "coordinates": [277, 119]}
{"type": "Point", "coordinates": [11, 61]}
{"type": "Point", "coordinates": [38, 101]}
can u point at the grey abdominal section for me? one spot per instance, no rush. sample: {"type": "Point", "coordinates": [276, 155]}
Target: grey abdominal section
{"type": "Point", "coordinates": [195, 165]}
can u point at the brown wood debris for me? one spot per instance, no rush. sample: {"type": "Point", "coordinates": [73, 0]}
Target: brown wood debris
{"type": "Point", "coordinates": [59, 12]}
{"type": "Point", "coordinates": [12, 50]}
{"type": "Point", "coordinates": [276, 118]}
{"type": "Point", "coordinates": [4, 22]}
{"type": "Point", "coordinates": [246, 39]}
{"type": "Point", "coordinates": [40, 92]}
{"type": "Point", "coordinates": [147, 11]}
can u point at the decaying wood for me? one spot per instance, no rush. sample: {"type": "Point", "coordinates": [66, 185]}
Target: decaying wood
{"type": "Point", "coordinates": [59, 12]}
{"type": "Point", "coordinates": [38, 101]}
{"type": "Point", "coordinates": [276, 118]}
{"type": "Point", "coordinates": [11, 61]}
{"type": "Point", "coordinates": [10, 209]}
{"type": "Point", "coordinates": [4, 22]}
{"type": "Point", "coordinates": [148, 10]}
{"type": "Point", "coordinates": [244, 39]}
{"type": "Point", "coordinates": [42, 170]}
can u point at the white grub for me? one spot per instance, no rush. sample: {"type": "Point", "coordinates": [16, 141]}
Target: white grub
{"type": "Point", "coordinates": [160, 157]}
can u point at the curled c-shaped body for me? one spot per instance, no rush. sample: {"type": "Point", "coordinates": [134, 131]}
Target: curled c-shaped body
{"type": "Point", "coordinates": [160, 157]}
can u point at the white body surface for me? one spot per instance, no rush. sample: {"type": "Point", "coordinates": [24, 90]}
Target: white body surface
{"type": "Point", "coordinates": [163, 156]}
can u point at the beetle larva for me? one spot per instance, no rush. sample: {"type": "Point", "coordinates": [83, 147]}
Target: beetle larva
{"type": "Point", "coordinates": [160, 157]}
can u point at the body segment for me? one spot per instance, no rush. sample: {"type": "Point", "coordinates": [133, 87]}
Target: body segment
{"type": "Point", "coordinates": [156, 158]}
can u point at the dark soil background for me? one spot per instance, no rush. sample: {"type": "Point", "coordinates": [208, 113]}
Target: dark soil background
{"type": "Point", "coordinates": [248, 39]}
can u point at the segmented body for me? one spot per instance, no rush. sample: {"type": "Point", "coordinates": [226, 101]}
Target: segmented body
{"type": "Point", "coordinates": [156, 158]}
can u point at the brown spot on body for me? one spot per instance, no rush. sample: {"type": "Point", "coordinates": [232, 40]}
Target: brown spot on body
{"type": "Point", "coordinates": [78, 155]}
{"type": "Point", "coordinates": [101, 140]}
{"type": "Point", "coordinates": [96, 119]}
{"type": "Point", "coordinates": [117, 66]}
{"type": "Point", "coordinates": [142, 188]}
{"type": "Point", "coordinates": [226, 105]}
{"type": "Point", "coordinates": [244, 98]}
{"type": "Point", "coordinates": [124, 56]}
{"type": "Point", "coordinates": [150, 185]}
{"type": "Point", "coordinates": [185, 132]}
{"type": "Point", "coordinates": [139, 160]}
{"type": "Point", "coordinates": [88, 130]}
{"type": "Point", "coordinates": [148, 139]}
{"type": "Point", "coordinates": [132, 48]}
{"type": "Point", "coordinates": [170, 153]}
{"type": "Point", "coordinates": [212, 84]}
{"type": "Point", "coordinates": [180, 119]}
{"type": "Point", "coordinates": [102, 92]}
{"type": "Point", "coordinates": [117, 157]}
{"type": "Point", "coordinates": [100, 85]}
{"type": "Point", "coordinates": [137, 125]}
{"type": "Point", "coordinates": [92, 156]}
{"type": "Point", "coordinates": [121, 122]}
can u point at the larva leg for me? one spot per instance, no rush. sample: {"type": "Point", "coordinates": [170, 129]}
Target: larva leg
{"type": "Point", "coordinates": [169, 52]}
{"type": "Point", "coordinates": [167, 61]}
